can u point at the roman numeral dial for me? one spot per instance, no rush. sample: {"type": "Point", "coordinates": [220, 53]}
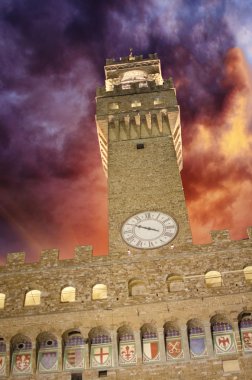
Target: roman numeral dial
{"type": "Point", "coordinates": [149, 230]}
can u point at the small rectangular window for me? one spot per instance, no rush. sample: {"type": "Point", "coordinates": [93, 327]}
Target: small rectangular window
{"type": "Point", "coordinates": [76, 376]}
{"type": "Point", "coordinates": [140, 146]}
{"type": "Point", "coordinates": [126, 86]}
{"type": "Point", "coordinates": [113, 106]}
{"type": "Point", "coordinates": [136, 103]}
{"type": "Point", "coordinates": [103, 373]}
{"type": "Point", "coordinates": [143, 84]}
{"type": "Point", "coordinates": [158, 102]}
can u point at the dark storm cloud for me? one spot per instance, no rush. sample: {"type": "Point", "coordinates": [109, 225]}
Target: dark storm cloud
{"type": "Point", "coordinates": [52, 58]}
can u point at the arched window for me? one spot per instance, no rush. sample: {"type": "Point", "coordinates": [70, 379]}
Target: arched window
{"type": "Point", "coordinates": [32, 298]}
{"type": "Point", "coordinates": [248, 274]}
{"type": "Point", "coordinates": [175, 283]}
{"type": "Point", "coordinates": [197, 339]}
{"type": "Point", "coordinates": [2, 357]}
{"type": "Point", "coordinates": [74, 345]}
{"type": "Point", "coordinates": [21, 355]}
{"type": "Point", "coordinates": [133, 76]}
{"type": "Point", "coordinates": [99, 292]}
{"type": "Point", "coordinates": [150, 343]}
{"type": "Point", "coordinates": [136, 287]}
{"type": "Point", "coordinates": [223, 336]}
{"type": "Point", "coordinates": [213, 279]}
{"type": "Point", "coordinates": [68, 294]}
{"type": "Point", "coordinates": [101, 348]}
{"type": "Point", "coordinates": [48, 353]}
{"type": "Point", "coordinates": [173, 342]}
{"type": "Point", "coordinates": [2, 300]}
{"type": "Point", "coordinates": [245, 325]}
{"type": "Point", "coordinates": [127, 346]}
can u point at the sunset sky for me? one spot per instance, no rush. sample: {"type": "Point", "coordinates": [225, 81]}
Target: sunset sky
{"type": "Point", "coordinates": [52, 186]}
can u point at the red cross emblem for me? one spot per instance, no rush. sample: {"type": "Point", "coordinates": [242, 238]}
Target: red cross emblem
{"type": "Point", "coordinates": [101, 354]}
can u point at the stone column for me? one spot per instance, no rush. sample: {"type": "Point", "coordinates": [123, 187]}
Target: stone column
{"type": "Point", "coordinates": [86, 355]}
{"type": "Point", "coordinates": [237, 337]}
{"type": "Point", "coordinates": [209, 339]}
{"type": "Point", "coordinates": [114, 348]}
{"type": "Point", "coordinates": [185, 343]}
{"type": "Point", "coordinates": [160, 332]}
{"type": "Point", "coordinates": [138, 342]}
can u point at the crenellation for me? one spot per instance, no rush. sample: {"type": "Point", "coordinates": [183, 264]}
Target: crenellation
{"type": "Point", "coordinates": [249, 232]}
{"type": "Point", "coordinates": [15, 259]}
{"type": "Point", "coordinates": [149, 87]}
{"type": "Point", "coordinates": [83, 253]}
{"type": "Point", "coordinates": [220, 236]}
{"type": "Point", "coordinates": [49, 257]}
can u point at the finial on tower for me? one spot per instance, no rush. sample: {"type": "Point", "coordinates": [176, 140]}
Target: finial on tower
{"type": "Point", "coordinates": [131, 56]}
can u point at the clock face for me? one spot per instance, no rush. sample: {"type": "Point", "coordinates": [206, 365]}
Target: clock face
{"type": "Point", "coordinates": [149, 230]}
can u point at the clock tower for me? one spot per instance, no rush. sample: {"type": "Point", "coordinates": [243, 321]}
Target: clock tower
{"type": "Point", "coordinates": [138, 123]}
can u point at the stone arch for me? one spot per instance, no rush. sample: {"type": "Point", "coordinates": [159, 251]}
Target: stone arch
{"type": "Point", "coordinates": [32, 297]}
{"type": "Point", "coordinates": [196, 338]}
{"type": "Point", "coordinates": [248, 273]}
{"type": "Point", "coordinates": [68, 294]}
{"type": "Point", "coordinates": [245, 328]}
{"type": "Point", "coordinates": [21, 355]}
{"type": "Point", "coordinates": [127, 346]}
{"type": "Point", "coordinates": [100, 348]}
{"type": "Point", "coordinates": [222, 335]}
{"type": "Point", "coordinates": [175, 282]}
{"type": "Point", "coordinates": [173, 341]}
{"type": "Point", "coordinates": [99, 292]}
{"type": "Point", "coordinates": [48, 350]}
{"type": "Point", "coordinates": [150, 343]}
{"type": "Point", "coordinates": [213, 279]}
{"type": "Point", "coordinates": [136, 287]}
{"type": "Point", "coordinates": [2, 356]}
{"type": "Point", "coordinates": [74, 345]}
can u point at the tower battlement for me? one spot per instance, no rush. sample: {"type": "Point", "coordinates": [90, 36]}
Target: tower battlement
{"type": "Point", "coordinates": [84, 254]}
{"type": "Point", "coordinates": [131, 58]}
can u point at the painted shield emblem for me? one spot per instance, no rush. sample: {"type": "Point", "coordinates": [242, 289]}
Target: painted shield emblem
{"type": "Point", "coordinates": [223, 342]}
{"type": "Point", "coordinates": [74, 358]}
{"type": "Point", "coordinates": [23, 362]}
{"type": "Point", "coordinates": [2, 365]}
{"type": "Point", "coordinates": [247, 340]}
{"type": "Point", "coordinates": [48, 360]}
{"type": "Point", "coordinates": [101, 354]}
{"type": "Point", "coordinates": [2, 362]}
{"type": "Point", "coordinates": [151, 351]}
{"type": "Point", "coordinates": [127, 352]}
{"type": "Point", "coordinates": [174, 348]}
{"type": "Point", "coordinates": [197, 346]}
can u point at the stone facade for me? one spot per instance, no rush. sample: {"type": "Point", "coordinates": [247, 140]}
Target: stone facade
{"type": "Point", "coordinates": [182, 311]}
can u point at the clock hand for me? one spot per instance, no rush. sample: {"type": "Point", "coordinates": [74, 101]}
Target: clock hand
{"type": "Point", "coordinates": [147, 228]}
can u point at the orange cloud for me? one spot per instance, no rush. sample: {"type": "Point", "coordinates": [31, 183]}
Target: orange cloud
{"type": "Point", "coordinates": [218, 160]}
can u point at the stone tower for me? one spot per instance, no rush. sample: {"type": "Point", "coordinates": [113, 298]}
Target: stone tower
{"type": "Point", "coordinates": [138, 122]}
